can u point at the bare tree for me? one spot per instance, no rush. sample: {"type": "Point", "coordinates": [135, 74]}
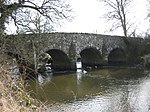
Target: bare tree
{"type": "Point", "coordinates": [36, 24]}
{"type": "Point", "coordinates": [117, 12]}
{"type": "Point", "coordinates": [20, 11]}
{"type": "Point", "coordinates": [36, 16]}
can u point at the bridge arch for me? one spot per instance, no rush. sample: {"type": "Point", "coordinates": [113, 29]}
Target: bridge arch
{"type": "Point", "coordinates": [91, 57]}
{"type": "Point", "coordinates": [60, 60]}
{"type": "Point", "coordinates": [117, 56]}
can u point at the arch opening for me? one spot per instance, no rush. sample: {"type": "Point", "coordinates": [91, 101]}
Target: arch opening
{"type": "Point", "coordinates": [117, 57]}
{"type": "Point", "coordinates": [91, 57]}
{"type": "Point", "coordinates": [60, 61]}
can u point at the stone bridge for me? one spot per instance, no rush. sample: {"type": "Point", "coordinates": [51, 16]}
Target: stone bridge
{"type": "Point", "coordinates": [67, 48]}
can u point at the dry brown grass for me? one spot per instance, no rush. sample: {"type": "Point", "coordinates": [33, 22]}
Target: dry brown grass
{"type": "Point", "coordinates": [13, 95]}
{"type": "Point", "coordinates": [7, 102]}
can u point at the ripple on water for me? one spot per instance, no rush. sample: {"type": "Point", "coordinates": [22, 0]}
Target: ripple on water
{"type": "Point", "coordinates": [97, 92]}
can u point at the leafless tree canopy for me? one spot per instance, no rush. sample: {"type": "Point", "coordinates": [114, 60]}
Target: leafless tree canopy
{"type": "Point", "coordinates": [117, 12]}
{"type": "Point", "coordinates": [22, 12]}
{"type": "Point", "coordinates": [35, 24]}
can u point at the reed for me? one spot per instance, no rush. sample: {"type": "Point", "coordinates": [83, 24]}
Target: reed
{"type": "Point", "coordinates": [13, 94]}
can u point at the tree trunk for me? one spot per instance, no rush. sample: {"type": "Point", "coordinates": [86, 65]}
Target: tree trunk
{"type": "Point", "coordinates": [2, 24]}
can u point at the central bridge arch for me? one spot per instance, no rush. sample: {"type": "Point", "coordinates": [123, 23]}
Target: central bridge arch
{"type": "Point", "coordinates": [91, 57]}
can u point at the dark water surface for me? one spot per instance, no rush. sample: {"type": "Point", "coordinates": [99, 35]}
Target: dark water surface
{"type": "Point", "coordinates": [105, 90]}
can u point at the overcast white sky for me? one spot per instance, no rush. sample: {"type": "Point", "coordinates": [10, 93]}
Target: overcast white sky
{"type": "Point", "coordinates": [88, 15]}
{"type": "Point", "coordinates": [88, 19]}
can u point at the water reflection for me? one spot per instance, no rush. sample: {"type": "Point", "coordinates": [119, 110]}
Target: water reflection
{"type": "Point", "coordinates": [141, 96]}
{"type": "Point", "coordinates": [44, 79]}
{"type": "Point", "coordinates": [79, 77]}
{"type": "Point", "coordinates": [79, 74]}
{"type": "Point", "coordinates": [107, 90]}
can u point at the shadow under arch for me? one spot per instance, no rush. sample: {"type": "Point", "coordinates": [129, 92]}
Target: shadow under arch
{"type": "Point", "coordinates": [60, 60]}
{"type": "Point", "coordinates": [91, 57]}
{"type": "Point", "coordinates": [117, 57]}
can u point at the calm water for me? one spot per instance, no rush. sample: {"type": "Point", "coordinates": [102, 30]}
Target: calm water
{"type": "Point", "coordinates": [105, 90]}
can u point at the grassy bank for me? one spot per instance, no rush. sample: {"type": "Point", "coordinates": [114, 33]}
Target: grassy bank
{"type": "Point", "coordinates": [13, 95]}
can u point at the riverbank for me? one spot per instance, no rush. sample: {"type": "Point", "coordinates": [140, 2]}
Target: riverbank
{"type": "Point", "coordinates": [13, 95]}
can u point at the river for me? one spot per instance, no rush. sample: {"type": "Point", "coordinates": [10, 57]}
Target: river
{"type": "Point", "coordinates": [103, 90]}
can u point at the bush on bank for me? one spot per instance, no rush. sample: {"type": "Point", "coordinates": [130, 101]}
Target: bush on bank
{"type": "Point", "coordinates": [146, 60]}
{"type": "Point", "coordinates": [13, 95]}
